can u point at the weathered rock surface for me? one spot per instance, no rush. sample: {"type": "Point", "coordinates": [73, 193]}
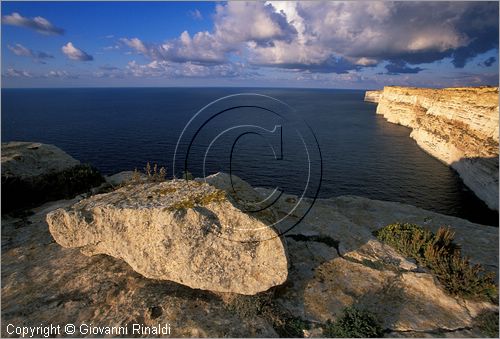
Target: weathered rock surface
{"type": "Point", "coordinates": [183, 231]}
{"type": "Point", "coordinates": [458, 126]}
{"type": "Point", "coordinates": [373, 96]}
{"type": "Point", "coordinates": [44, 283]}
{"type": "Point", "coordinates": [120, 178]}
{"type": "Point", "coordinates": [34, 173]}
{"type": "Point", "coordinates": [335, 261]}
{"type": "Point", "coordinates": [31, 159]}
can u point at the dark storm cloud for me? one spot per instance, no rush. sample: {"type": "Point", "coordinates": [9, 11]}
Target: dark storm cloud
{"type": "Point", "coordinates": [488, 62]}
{"type": "Point", "coordinates": [401, 67]}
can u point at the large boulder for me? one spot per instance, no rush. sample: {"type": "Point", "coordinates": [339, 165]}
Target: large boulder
{"type": "Point", "coordinates": [184, 231]}
{"type": "Point", "coordinates": [33, 173]}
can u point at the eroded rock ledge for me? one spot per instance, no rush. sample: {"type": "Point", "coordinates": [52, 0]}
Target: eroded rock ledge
{"type": "Point", "coordinates": [33, 173]}
{"type": "Point", "coordinates": [458, 126]}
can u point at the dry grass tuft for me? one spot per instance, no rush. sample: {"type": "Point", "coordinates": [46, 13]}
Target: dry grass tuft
{"type": "Point", "coordinates": [443, 257]}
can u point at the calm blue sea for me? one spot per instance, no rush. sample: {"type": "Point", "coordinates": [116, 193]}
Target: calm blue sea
{"type": "Point", "coordinates": [122, 128]}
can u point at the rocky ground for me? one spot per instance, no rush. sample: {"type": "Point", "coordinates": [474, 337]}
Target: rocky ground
{"type": "Point", "coordinates": [334, 261]}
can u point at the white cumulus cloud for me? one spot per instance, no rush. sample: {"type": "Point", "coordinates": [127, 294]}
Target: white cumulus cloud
{"type": "Point", "coordinates": [75, 53]}
{"type": "Point", "coordinates": [37, 56]}
{"type": "Point", "coordinates": [16, 73]}
{"type": "Point", "coordinates": [39, 24]}
{"type": "Point", "coordinates": [335, 36]}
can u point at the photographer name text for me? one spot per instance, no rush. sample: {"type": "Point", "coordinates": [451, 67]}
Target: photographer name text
{"type": "Point", "coordinates": [84, 329]}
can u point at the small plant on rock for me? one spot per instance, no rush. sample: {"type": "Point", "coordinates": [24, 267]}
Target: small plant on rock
{"type": "Point", "coordinates": [155, 174]}
{"type": "Point", "coordinates": [263, 305]}
{"type": "Point", "coordinates": [487, 323]}
{"type": "Point", "coordinates": [354, 323]}
{"type": "Point", "coordinates": [442, 257]}
{"type": "Point", "coordinates": [186, 175]}
{"type": "Point", "coordinates": [151, 174]}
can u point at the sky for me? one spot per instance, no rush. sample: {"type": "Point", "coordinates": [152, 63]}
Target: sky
{"type": "Point", "coordinates": [323, 44]}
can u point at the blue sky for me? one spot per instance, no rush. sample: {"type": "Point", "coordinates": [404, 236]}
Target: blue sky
{"type": "Point", "coordinates": [297, 44]}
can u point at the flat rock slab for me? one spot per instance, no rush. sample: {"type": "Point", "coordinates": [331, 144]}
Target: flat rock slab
{"type": "Point", "coordinates": [32, 159]}
{"type": "Point", "coordinates": [187, 232]}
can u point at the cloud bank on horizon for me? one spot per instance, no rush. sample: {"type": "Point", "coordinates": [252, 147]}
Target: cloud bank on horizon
{"type": "Point", "coordinates": [321, 44]}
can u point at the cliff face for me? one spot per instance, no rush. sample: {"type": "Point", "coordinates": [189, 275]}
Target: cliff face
{"type": "Point", "coordinates": [458, 126]}
{"type": "Point", "coordinates": [372, 96]}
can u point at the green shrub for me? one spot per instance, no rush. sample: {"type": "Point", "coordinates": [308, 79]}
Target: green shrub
{"type": "Point", "coordinates": [24, 193]}
{"type": "Point", "coordinates": [186, 175]}
{"type": "Point", "coordinates": [487, 323]}
{"type": "Point", "coordinates": [354, 323]}
{"type": "Point", "coordinates": [442, 257]}
{"type": "Point", "coordinates": [262, 305]}
{"type": "Point", "coordinates": [290, 327]}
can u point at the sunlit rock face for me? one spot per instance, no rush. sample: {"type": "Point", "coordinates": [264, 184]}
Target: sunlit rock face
{"type": "Point", "coordinates": [373, 96]}
{"type": "Point", "coordinates": [183, 231]}
{"type": "Point", "coordinates": [458, 126]}
{"type": "Point", "coordinates": [334, 261]}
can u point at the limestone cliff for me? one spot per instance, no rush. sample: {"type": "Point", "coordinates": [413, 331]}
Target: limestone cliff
{"type": "Point", "coordinates": [372, 96]}
{"type": "Point", "coordinates": [458, 126]}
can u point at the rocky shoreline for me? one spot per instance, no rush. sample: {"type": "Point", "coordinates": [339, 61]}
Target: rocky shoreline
{"type": "Point", "coordinates": [458, 126]}
{"type": "Point", "coordinates": [329, 262]}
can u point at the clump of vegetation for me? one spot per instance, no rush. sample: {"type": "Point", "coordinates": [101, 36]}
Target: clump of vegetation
{"type": "Point", "coordinates": [151, 174]}
{"type": "Point", "coordinates": [443, 257]}
{"type": "Point", "coordinates": [154, 174]}
{"type": "Point", "coordinates": [354, 323]}
{"type": "Point", "coordinates": [262, 305]}
{"type": "Point", "coordinates": [202, 199]}
{"type": "Point", "coordinates": [166, 190]}
{"type": "Point", "coordinates": [247, 306]}
{"type": "Point", "coordinates": [290, 326]}
{"type": "Point", "coordinates": [24, 193]}
{"type": "Point", "coordinates": [487, 323]}
{"type": "Point", "coordinates": [186, 175]}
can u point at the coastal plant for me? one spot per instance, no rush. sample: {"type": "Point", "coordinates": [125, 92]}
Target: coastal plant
{"type": "Point", "coordinates": [199, 199]}
{"type": "Point", "coordinates": [155, 174]}
{"type": "Point", "coordinates": [354, 323]}
{"type": "Point", "coordinates": [263, 305]}
{"type": "Point", "coordinates": [151, 174]}
{"type": "Point", "coordinates": [442, 257]}
{"type": "Point", "coordinates": [135, 178]}
{"type": "Point", "coordinates": [487, 323]}
{"type": "Point", "coordinates": [26, 192]}
{"type": "Point", "coordinates": [186, 175]}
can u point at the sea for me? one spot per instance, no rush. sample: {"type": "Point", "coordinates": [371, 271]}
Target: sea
{"type": "Point", "coordinates": [323, 142]}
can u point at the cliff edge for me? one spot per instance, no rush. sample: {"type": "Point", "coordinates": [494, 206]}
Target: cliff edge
{"type": "Point", "coordinates": [458, 126]}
